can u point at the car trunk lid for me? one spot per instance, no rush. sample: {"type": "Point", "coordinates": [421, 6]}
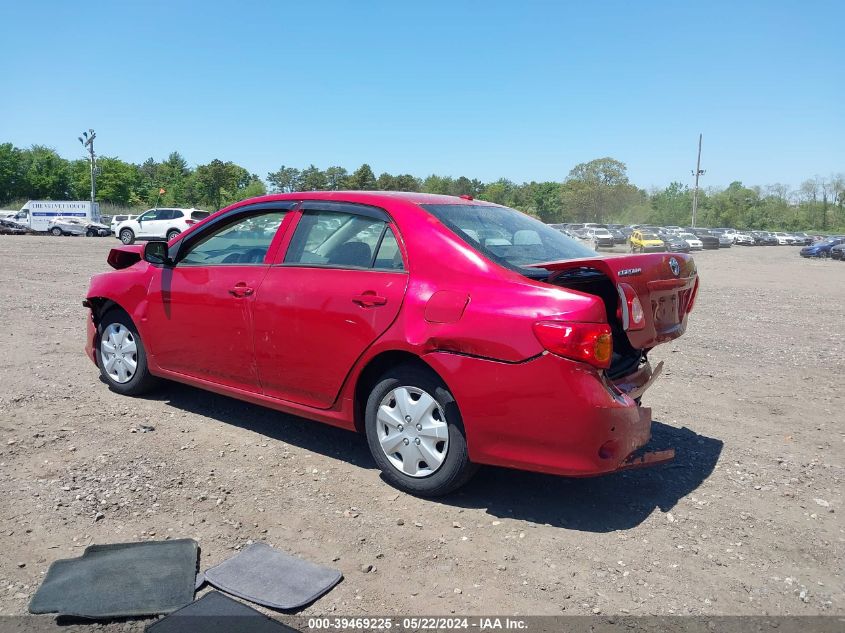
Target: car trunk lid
{"type": "Point", "coordinates": [664, 283]}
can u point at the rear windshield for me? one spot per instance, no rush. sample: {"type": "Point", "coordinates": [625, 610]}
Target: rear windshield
{"type": "Point", "coordinates": [507, 236]}
{"type": "Point", "coordinates": [650, 236]}
{"type": "Point", "coordinates": [199, 215]}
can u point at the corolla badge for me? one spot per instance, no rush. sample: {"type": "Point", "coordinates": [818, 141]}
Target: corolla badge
{"type": "Point", "coordinates": [674, 266]}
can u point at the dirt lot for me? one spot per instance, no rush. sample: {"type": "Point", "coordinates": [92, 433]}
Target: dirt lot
{"type": "Point", "coordinates": [748, 520]}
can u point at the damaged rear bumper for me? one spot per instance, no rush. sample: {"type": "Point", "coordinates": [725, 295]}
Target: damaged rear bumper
{"type": "Point", "coordinates": [550, 414]}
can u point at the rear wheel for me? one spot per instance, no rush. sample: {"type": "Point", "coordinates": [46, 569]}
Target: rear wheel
{"type": "Point", "coordinates": [56, 231]}
{"type": "Point", "coordinates": [121, 355]}
{"type": "Point", "coordinates": [416, 434]}
{"type": "Point", "coordinates": [172, 233]}
{"type": "Point", "coordinates": [127, 236]}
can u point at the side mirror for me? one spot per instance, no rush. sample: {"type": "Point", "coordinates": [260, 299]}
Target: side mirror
{"type": "Point", "coordinates": [157, 253]}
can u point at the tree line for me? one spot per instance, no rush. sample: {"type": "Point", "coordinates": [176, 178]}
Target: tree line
{"type": "Point", "coordinates": [595, 191]}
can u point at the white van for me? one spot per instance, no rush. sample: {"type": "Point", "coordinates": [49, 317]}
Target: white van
{"type": "Point", "coordinates": [36, 215]}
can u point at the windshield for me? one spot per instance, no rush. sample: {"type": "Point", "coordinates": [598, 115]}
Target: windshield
{"type": "Point", "coordinates": [688, 236]}
{"type": "Point", "coordinates": [507, 236]}
{"type": "Point", "coordinates": [650, 236]}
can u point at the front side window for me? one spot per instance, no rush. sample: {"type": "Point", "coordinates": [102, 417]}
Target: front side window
{"type": "Point", "coordinates": [335, 238]}
{"type": "Point", "coordinates": [245, 240]}
{"type": "Point", "coordinates": [507, 236]}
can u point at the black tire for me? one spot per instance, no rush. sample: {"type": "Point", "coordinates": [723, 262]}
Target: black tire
{"type": "Point", "coordinates": [56, 231]}
{"type": "Point", "coordinates": [127, 236]}
{"type": "Point", "coordinates": [90, 233]}
{"type": "Point", "coordinates": [172, 233]}
{"type": "Point", "coordinates": [143, 380]}
{"type": "Point", "coordinates": [456, 468]}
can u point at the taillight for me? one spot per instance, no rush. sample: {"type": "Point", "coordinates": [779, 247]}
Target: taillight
{"type": "Point", "coordinates": [630, 308]}
{"type": "Point", "coordinates": [190, 222]}
{"type": "Point", "coordinates": [588, 342]}
{"type": "Point", "coordinates": [693, 296]}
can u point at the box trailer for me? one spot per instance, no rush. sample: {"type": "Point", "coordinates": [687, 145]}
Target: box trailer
{"type": "Point", "coordinates": [36, 215]}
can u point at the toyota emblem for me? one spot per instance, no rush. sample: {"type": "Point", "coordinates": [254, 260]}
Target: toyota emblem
{"type": "Point", "coordinates": [674, 266]}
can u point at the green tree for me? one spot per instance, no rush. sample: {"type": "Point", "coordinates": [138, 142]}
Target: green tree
{"type": "Point", "coordinates": [362, 179]}
{"type": "Point", "coordinates": [46, 174]}
{"type": "Point", "coordinates": [285, 179]}
{"type": "Point", "coordinates": [12, 179]}
{"type": "Point", "coordinates": [312, 179]}
{"type": "Point", "coordinates": [220, 183]}
{"type": "Point", "coordinates": [336, 178]}
{"type": "Point", "coordinates": [598, 190]}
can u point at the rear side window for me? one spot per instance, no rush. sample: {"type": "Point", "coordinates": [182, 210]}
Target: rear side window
{"type": "Point", "coordinates": [336, 239]}
{"type": "Point", "coordinates": [388, 255]}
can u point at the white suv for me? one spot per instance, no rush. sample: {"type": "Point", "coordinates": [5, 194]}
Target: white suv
{"type": "Point", "coordinates": [158, 224]}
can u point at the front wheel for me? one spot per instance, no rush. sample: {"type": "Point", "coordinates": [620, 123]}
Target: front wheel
{"type": "Point", "coordinates": [127, 236]}
{"type": "Point", "coordinates": [122, 357]}
{"type": "Point", "coordinates": [56, 231]}
{"type": "Point", "coordinates": [416, 434]}
{"type": "Point", "coordinates": [90, 233]}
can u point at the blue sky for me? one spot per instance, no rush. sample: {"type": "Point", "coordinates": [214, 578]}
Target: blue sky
{"type": "Point", "coordinates": [523, 90]}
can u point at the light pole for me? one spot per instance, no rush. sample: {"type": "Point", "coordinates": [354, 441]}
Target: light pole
{"type": "Point", "coordinates": [87, 140]}
{"type": "Point", "coordinates": [698, 172]}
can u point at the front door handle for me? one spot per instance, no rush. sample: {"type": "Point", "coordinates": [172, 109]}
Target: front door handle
{"type": "Point", "coordinates": [241, 290]}
{"type": "Point", "coordinates": [369, 300]}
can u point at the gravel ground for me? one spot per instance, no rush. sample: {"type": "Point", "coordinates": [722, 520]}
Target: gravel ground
{"type": "Point", "coordinates": [747, 520]}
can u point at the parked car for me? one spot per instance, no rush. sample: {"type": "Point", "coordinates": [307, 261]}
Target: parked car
{"type": "Point", "coordinates": [693, 241]}
{"type": "Point", "coordinates": [368, 327]}
{"type": "Point", "coordinates": [802, 239]}
{"type": "Point", "coordinates": [821, 248]}
{"type": "Point", "coordinates": [731, 233]}
{"type": "Point", "coordinates": [158, 224]}
{"type": "Point", "coordinates": [708, 240]}
{"type": "Point", "coordinates": [618, 236]}
{"type": "Point", "coordinates": [725, 241]}
{"type": "Point", "coordinates": [764, 238]}
{"type": "Point", "coordinates": [674, 243]}
{"type": "Point", "coordinates": [784, 239]}
{"type": "Point", "coordinates": [838, 252]}
{"type": "Point", "coordinates": [598, 237]}
{"type": "Point", "coordinates": [116, 220]}
{"type": "Point", "coordinates": [743, 239]}
{"type": "Point", "coordinates": [10, 227]}
{"type": "Point", "coordinates": [646, 242]}
{"type": "Point", "coordinates": [77, 226]}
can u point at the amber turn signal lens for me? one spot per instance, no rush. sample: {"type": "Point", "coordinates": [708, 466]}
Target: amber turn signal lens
{"type": "Point", "coordinates": [603, 349]}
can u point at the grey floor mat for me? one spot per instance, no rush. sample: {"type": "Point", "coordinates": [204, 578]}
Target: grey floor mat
{"type": "Point", "coordinates": [217, 613]}
{"type": "Point", "coordinates": [123, 579]}
{"type": "Point", "coordinates": [272, 578]}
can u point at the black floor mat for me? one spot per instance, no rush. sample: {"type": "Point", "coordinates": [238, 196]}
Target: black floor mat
{"type": "Point", "coordinates": [121, 580]}
{"type": "Point", "coordinates": [217, 613]}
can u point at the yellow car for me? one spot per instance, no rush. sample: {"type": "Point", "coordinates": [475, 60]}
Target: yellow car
{"type": "Point", "coordinates": [646, 242]}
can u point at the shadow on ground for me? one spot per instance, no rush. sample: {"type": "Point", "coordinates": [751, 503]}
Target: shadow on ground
{"type": "Point", "coordinates": [596, 504]}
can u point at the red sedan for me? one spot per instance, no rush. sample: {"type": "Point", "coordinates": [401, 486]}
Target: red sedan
{"type": "Point", "coordinates": [453, 332]}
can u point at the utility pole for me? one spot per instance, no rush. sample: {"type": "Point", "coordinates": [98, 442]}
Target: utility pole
{"type": "Point", "coordinates": [88, 143]}
{"type": "Point", "coordinates": [698, 172]}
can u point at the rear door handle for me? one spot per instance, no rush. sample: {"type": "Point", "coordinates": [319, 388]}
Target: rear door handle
{"type": "Point", "coordinates": [241, 290]}
{"type": "Point", "coordinates": [369, 300]}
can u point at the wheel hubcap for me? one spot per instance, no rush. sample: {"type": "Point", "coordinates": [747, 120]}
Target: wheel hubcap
{"type": "Point", "coordinates": [119, 353]}
{"type": "Point", "coordinates": [412, 431]}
